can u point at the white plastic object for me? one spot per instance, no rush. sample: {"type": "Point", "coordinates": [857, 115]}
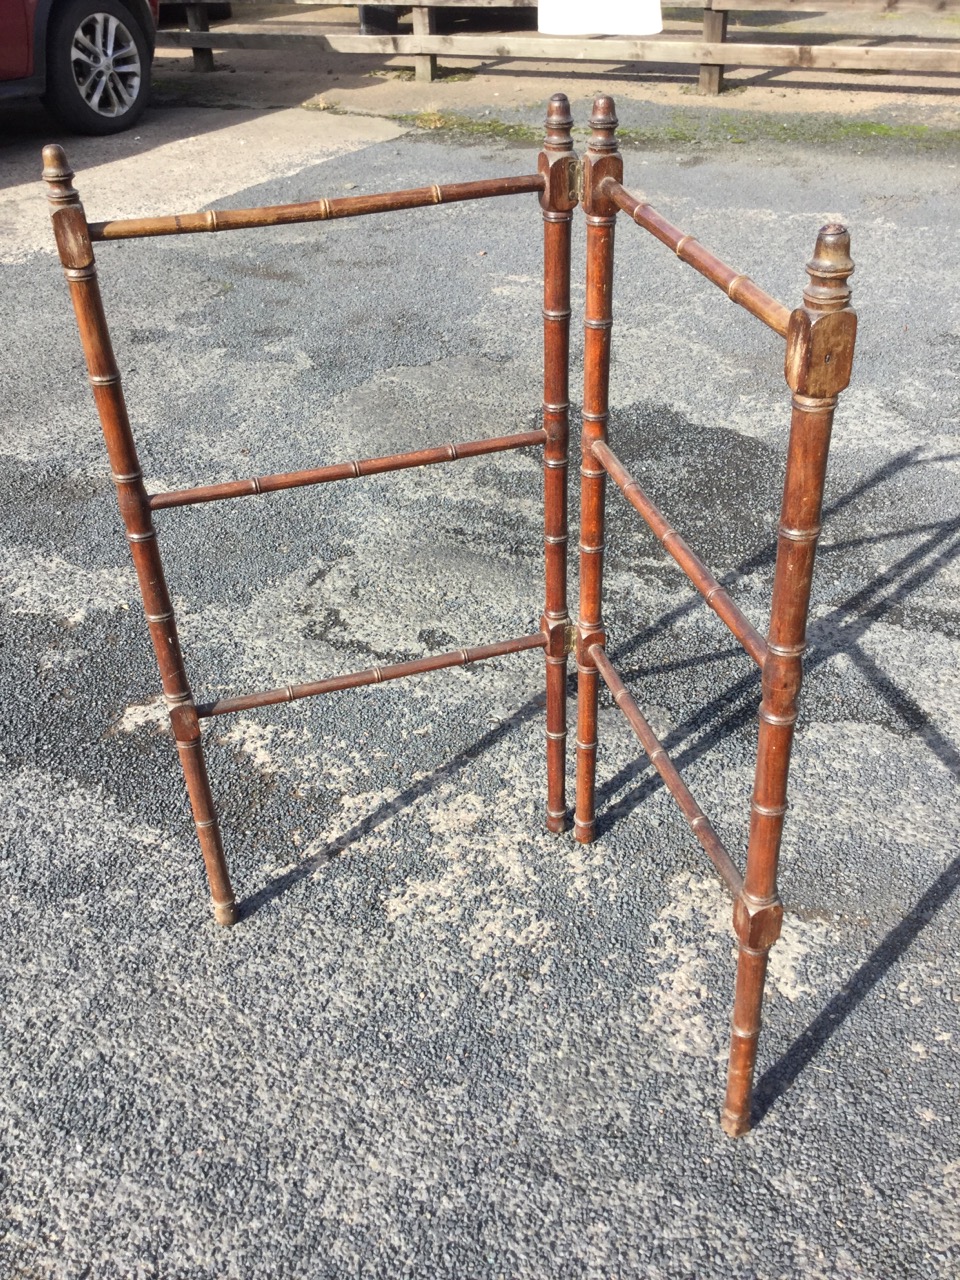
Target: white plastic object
{"type": "Point", "coordinates": [599, 17]}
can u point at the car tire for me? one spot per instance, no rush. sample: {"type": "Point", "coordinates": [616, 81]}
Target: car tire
{"type": "Point", "coordinates": [87, 90]}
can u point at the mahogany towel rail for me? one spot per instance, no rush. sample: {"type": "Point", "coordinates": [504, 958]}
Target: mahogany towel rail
{"type": "Point", "coordinates": [819, 351]}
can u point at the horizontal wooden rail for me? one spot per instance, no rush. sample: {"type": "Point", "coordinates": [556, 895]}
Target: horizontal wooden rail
{"type": "Point", "coordinates": [372, 675]}
{"type": "Point", "coordinates": [852, 57]}
{"type": "Point", "coordinates": [691, 564]}
{"type": "Point", "coordinates": [343, 470]}
{"type": "Point", "coordinates": [699, 824]}
{"type": "Point", "coordinates": [887, 7]}
{"type": "Point", "coordinates": [313, 210]}
{"type": "Point", "coordinates": [712, 50]}
{"type": "Point", "coordinates": [739, 288]}
{"type": "Point", "coordinates": [786, 6]}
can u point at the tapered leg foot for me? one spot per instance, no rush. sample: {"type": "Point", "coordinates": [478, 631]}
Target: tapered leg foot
{"type": "Point", "coordinates": [745, 1032]}
{"type": "Point", "coordinates": [584, 832]}
{"type": "Point", "coordinates": [225, 913]}
{"type": "Point", "coordinates": [734, 1125]}
{"type": "Point", "coordinates": [557, 823]}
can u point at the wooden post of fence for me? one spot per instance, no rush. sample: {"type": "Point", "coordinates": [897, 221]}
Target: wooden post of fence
{"type": "Point", "coordinates": [424, 24]}
{"type": "Point", "coordinates": [714, 32]}
{"type": "Point", "coordinates": [197, 20]}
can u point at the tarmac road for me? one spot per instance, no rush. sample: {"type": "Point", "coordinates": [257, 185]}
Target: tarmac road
{"type": "Point", "coordinates": [441, 1042]}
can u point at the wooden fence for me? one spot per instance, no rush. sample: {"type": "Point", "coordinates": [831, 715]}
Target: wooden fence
{"type": "Point", "coordinates": [712, 53]}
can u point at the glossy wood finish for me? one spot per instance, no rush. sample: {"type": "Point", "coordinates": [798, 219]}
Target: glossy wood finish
{"type": "Point", "coordinates": [178, 224]}
{"type": "Point", "coordinates": [602, 160]}
{"type": "Point", "coordinates": [76, 255]}
{"type": "Point", "coordinates": [819, 359]}
{"type": "Point", "coordinates": [559, 170]}
{"type": "Point", "coordinates": [738, 288]}
{"type": "Point", "coordinates": [691, 564]}
{"type": "Point", "coordinates": [343, 471]}
{"type": "Point", "coordinates": [372, 675]}
{"type": "Point", "coordinates": [820, 339]}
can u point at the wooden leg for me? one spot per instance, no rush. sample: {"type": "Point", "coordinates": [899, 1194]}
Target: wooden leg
{"type": "Point", "coordinates": [76, 255]}
{"type": "Point", "coordinates": [190, 749]}
{"type": "Point", "coordinates": [714, 32]}
{"type": "Point", "coordinates": [424, 24]}
{"type": "Point", "coordinates": [820, 342]}
{"type": "Point", "coordinates": [557, 162]}
{"type": "Point", "coordinates": [601, 160]}
{"type": "Point", "coordinates": [198, 20]}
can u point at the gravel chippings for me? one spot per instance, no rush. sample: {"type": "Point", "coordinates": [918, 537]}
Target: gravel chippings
{"type": "Point", "coordinates": [441, 1042]}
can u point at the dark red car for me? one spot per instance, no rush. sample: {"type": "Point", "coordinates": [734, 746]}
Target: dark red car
{"type": "Point", "coordinates": [90, 59]}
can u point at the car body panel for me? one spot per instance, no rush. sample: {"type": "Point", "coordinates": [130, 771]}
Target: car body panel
{"type": "Point", "coordinates": [23, 42]}
{"type": "Point", "coordinates": [16, 50]}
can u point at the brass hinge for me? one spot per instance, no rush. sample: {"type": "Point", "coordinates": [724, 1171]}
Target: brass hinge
{"type": "Point", "coordinates": [575, 180]}
{"type": "Point", "coordinates": [569, 639]}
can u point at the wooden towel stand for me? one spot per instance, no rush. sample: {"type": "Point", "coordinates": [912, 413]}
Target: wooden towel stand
{"type": "Point", "coordinates": [819, 353]}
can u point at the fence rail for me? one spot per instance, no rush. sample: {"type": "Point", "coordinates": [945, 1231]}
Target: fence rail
{"type": "Point", "coordinates": [713, 53]}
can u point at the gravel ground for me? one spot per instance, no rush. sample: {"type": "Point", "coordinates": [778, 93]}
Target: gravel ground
{"type": "Point", "coordinates": [441, 1042]}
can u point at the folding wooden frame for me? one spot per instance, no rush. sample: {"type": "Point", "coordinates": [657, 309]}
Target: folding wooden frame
{"type": "Point", "coordinates": [819, 356]}
{"type": "Point", "coordinates": [819, 351]}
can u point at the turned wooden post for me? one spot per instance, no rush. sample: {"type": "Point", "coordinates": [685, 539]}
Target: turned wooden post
{"type": "Point", "coordinates": [76, 255]}
{"type": "Point", "coordinates": [559, 198]}
{"type": "Point", "coordinates": [602, 160]}
{"type": "Point", "coordinates": [820, 343]}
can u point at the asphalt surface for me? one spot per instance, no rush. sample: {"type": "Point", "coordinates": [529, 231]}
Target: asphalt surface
{"type": "Point", "coordinates": [441, 1042]}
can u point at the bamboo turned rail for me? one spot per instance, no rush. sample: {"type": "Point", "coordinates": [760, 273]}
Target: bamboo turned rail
{"type": "Point", "coordinates": [819, 334]}
{"type": "Point", "coordinates": [696, 819]}
{"type": "Point", "coordinates": [343, 471]}
{"type": "Point", "coordinates": [371, 675]}
{"type": "Point", "coordinates": [738, 288]}
{"type": "Point", "coordinates": [179, 224]}
{"type": "Point", "coordinates": [698, 573]}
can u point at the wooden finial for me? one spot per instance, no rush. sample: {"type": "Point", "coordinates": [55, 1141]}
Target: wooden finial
{"type": "Point", "coordinates": [557, 164]}
{"type": "Point", "coordinates": [829, 270]}
{"type": "Point", "coordinates": [603, 122]}
{"type": "Point", "coordinates": [59, 176]}
{"type": "Point", "coordinates": [821, 333]}
{"type": "Point", "coordinates": [559, 135]}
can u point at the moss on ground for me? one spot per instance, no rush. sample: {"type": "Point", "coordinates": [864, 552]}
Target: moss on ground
{"type": "Point", "coordinates": [713, 129]}
{"type": "Point", "coordinates": [483, 129]}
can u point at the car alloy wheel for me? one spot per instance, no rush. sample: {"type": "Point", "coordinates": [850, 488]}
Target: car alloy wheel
{"type": "Point", "coordinates": [106, 65]}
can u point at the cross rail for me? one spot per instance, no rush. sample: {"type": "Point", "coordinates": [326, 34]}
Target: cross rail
{"type": "Point", "coordinates": [691, 564]}
{"type": "Point", "coordinates": [176, 224]}
{"type": "Point", "coordinates": [697, 820]}
{"type": "Point", "coordinates": [371, 675]}
{"type": "Point", "coordinates": [343, 471]}
{"type": "Point", "coordinates": [738, 287]}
